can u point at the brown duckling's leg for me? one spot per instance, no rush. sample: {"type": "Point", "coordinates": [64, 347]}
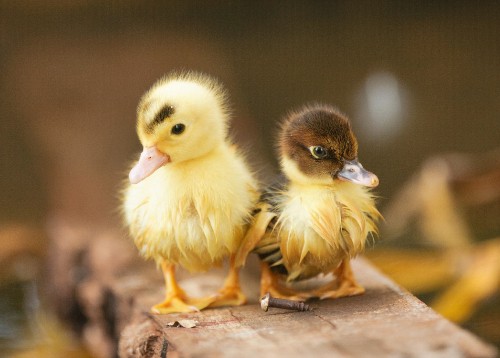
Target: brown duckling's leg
{"type": "Point", "coordinates": [176, 299]}
{"type": "Point", "coordinates": [270, 283]}
{"type": "Point", "coordinates": [344, 285]}
{"type": "Point", "coordinates": [230, 294]}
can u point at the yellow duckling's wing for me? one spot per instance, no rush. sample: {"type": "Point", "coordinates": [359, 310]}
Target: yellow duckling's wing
{"type": "Point", "coordinates": [256, 231]}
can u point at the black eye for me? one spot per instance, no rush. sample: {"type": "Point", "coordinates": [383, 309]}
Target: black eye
{"type": "Point", "coordinates": [178, 128]}
{"type": "Point", "coordinates": [318, 152]}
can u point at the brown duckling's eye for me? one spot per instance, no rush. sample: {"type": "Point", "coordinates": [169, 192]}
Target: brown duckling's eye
{"type": "Point", "coordinates": [318, 152]}
{"type": "Point", "coordinates": [178, 128]}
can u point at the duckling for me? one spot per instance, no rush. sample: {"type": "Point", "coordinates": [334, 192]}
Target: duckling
{"type": "Point", "coordinates": [191, 194]}
{"type": "Point", "coordinates": [318, 215]}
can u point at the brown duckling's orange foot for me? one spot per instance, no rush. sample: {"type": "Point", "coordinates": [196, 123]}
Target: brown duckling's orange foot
{"type": "Point", "coordinates": [280, 291]}
{"type": "Point", "coordinates": [343, 292]}
{"type": "Point", "coordinates": [343, 286]}
{"type": "Point", "coordinates": [228, 296]}
{"type": "Point", "coordinates": [335, 290]}
{"type": "Point", "coordinates": [273, 284]}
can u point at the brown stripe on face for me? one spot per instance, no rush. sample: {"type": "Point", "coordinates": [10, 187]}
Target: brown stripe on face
{"type": "Point", "coordinates": [164, 113]}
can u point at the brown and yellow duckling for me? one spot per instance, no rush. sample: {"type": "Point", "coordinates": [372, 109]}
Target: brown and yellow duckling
{"type": "Point", "coordinates": [318, 216]}
{"type": "Point", "coordinates": [191, 193]}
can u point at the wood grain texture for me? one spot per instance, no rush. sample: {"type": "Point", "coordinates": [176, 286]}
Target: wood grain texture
{"type": "Point", "coordinates": [117, 289]}
{"type": "Point", "coordinates": [386, 321]}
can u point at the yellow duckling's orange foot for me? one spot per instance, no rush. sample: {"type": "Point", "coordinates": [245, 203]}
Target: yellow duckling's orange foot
{"type": "Point", "coordinates": [177, 304]}
{"type": "Point", "coordinates": [229, 296]}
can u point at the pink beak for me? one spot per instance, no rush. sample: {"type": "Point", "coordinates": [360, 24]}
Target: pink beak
{"type": "Point", "coordinates": [150, 160]}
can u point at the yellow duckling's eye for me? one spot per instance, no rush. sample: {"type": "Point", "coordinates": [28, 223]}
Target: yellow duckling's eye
{"type": "Point", "coordinates": [178, 128]}
{"type": "Point", "coordinates": [318, 152]}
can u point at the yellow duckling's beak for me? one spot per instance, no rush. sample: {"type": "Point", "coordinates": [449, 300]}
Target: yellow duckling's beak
{"type": "Point", "coordinates": [354, 172]}
{"type": "Point", "coordinates": [150, 160]}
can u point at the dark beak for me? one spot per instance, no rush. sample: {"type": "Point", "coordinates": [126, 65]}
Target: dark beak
{"type": "Point", "coordinates": [354, 172]}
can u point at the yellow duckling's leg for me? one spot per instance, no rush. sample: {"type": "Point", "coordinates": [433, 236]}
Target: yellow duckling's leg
{"type": "Point", "coordinates": [176, 299]}
{"type": "Point", "coordinates": [230, 294]}
{"type": "Point", "coordinates": [344, 285]}
{"type": "Point", "coordinates": [270, 283]}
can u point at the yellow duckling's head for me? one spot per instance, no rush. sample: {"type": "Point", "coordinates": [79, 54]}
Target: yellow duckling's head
{"type": "Point", "coordinates": [317, 145]}
{"type": "Point", "coordinates": [183, 116]}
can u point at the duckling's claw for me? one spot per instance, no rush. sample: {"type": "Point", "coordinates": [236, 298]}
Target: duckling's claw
{"type": "Point", "coordinates": [176, 299]}
{"type": "Point", "coordinates": [270, 283]}
{"type": "Point", "coordinates": [344, 285]}
{"type": "Point", "coordinates": [229, 296]}
{"type": "Point", "coordinates": [343, 291]}
{"type": "Point", "coordinates": [174, 305]}
{"type": "Point", "coordinates": [287, 293]}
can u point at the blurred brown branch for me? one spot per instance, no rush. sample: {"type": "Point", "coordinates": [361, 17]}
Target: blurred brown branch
{"type": "Point", "coordinates": [22, 252]}
{"type": "Point", "coordinates": [458, 257]}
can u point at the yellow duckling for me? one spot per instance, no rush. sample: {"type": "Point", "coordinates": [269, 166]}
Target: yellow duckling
{"type": "Point", "coordinates": [320, 213]}
{"type": "Point", "coordinates": [191, 194]}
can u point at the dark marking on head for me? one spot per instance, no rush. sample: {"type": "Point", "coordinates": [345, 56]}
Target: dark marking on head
{"type": "Point", "coordinates": [318, 125]}
{"type": "Point", "coordinates": [164, 113]}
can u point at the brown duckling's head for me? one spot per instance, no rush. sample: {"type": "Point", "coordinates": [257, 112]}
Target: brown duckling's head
{"type": "Point", "coordinates": [317, 145]}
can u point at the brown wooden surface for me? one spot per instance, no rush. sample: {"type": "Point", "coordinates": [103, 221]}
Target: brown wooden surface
{"type": "Point", "coordinates": [99, 282]}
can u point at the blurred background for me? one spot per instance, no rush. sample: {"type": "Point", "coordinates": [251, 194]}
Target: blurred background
{"type": "Point", "coordinates": [419, 80]}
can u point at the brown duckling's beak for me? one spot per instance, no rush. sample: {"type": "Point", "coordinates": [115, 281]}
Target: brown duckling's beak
{"type": "Point", "coordinates": [354, 172]}
{"type": "Point", "coordinates": [150, 160]}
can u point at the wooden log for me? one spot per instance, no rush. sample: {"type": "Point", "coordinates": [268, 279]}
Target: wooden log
{"type": "Point", "coordinates": [117, 288]}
